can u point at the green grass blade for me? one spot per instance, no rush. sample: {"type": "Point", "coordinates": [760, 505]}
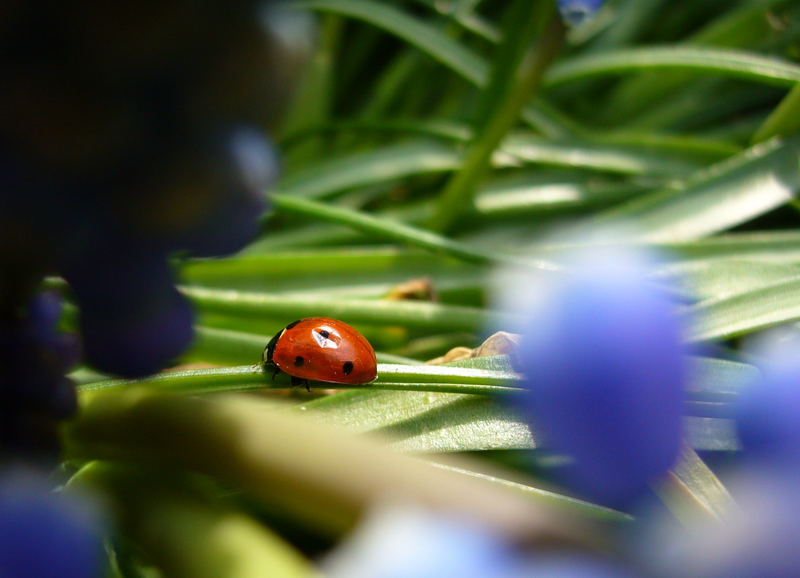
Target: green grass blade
{"type": "Point", "coordinates": [781, 247]}
{"type": "Point", "coordinates": [457, 197]}
{"type": "Point", "coordinates": [424, 36]}
{"type": "Point", "coordinates": [746, 312]}
{"type": "Point", "coordinates": [396, 231]}
{"type": "Point", "coordinates": [703, 61]}
{"type": "Point", "coordinates": [432, 41]}
{"type": "Point", "coordinates": [784, 120]}
{"type": "Point", "coordinates": [727, 194]}
{"type": "Point", "coordinates": [420, 314]}
{"type": "Point", "coordinates": [693, 493]}
{"type": "Point", "coordinates": [624, 159]}
{"type": "Point", "coordinates": [742, 26]}
{"type": "Point", "coordinates": [362, 169]}
{"type": "Point", "coordinates": [718, 279]}
{"type": "Point", "coordinates": [232, 439]}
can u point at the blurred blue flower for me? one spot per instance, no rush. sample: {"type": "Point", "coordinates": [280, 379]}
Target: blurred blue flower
{"type": "Point", "coordinates": [569, 565]}
{"type": "Point", "coordinates": [407, 542]}
{"type": "Point", "coordinates": [574, 12]}
{"type": "Point", "coordinates": [601, 352]}
{"type": "Point", "coordinates": [755, 538]}
{"type": "Point", "coordinates": [44, 534]}
{"type": "Point", "coordinates": [768, 411]}
{"type": "Point", "coordinates": [158, 150]}
{"type": "Point", "coordinates": [138, 340]}
{"type": "Point", "coordinates": [34, 392]}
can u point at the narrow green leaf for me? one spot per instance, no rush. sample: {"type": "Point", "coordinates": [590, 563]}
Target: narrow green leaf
{"type": "Point", "coordinates": [729, 193]}
{"type": "Point", "coordinates": [401, 232]}
{"type": "Point", "coordinates": [403, 313]}
{"type": "Point", "coordinates": [457, 197]}
{"type": "Point", "coordinates": [705, 61]}
{"type": "Point", "coordinates": [424, 36]}
{"type": "Point", "coordinates": [558, 500]}
{"type": "Point", "coordinates": [745, 312]}
{"type": "Point", "coordinates": [776, 246]}
{"type": "Point", "coordinates": [694, 493]}
{"type": "Point", "coordinates": [714, 279]}
{"type": "Point", "coordinates": [742, 26]}
{"type": "Point", "coordinates": [420, 157]}
{"type": "Point", "coordinates": [432, 41]}
{"type": "Point", "coordinates": [311, 267]}
{"type": "Point", "coordinates": [214, 345]}
{"type": "Point", "coordinates": [784, 120]}
{"type": "Point", "coordinates": [310, 471]}
{"type": "Point", "coordinates": [184, 529]}
{"type": "Point", "coordinates": [627, 160]}
{"type": "Point", "coordinates": [361, 169]}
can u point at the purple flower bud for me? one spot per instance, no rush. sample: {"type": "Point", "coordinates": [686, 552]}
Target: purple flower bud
{"type": "Point", "coordinates": [138, 340]}
{"type": "Point", "coordinates": [768, 411]}
{"type": "Point", "coordinates": [574, 12]}
{"type": "Point", "coordinates": [44, 311]}
{"type": "Point", "coordinates": [601, 352]}
{"type": "Point", "coordinates": [46, 534]}
{"type": "Point", "coordinates": [33, 389]}
{"type": "Point", "coordinates": [117, 274]}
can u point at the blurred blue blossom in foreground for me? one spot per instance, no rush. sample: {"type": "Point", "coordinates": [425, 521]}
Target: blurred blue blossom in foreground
{"type": "Point", "coordinates": [33, 359]}
{"type": "Point", "coordinates": [397, 542]}
{"type": "Point", "coordinates": [768, 411]}
{"type": "Point", "coordinates": [575, 12]}
{"type": "Point", "coordinates": [45, 534]}
{"type": "Point", "coordinates": [568, 565]}
{"type": "Point", "coordinates": [755, 538]}
{"type": "Point", "coordinates": [128, 134]}
{"type": "Point", "coordinates": [409, 542]}
{"type": "Point", "coordinates": [601, 352]}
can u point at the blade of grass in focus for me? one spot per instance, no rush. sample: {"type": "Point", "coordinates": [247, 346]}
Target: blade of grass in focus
{"type": "Point", "coordinates": [709, 61]}
{"type": "Point", "coordinates": [732, 192]}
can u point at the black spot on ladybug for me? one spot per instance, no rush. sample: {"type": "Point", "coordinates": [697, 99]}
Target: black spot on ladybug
{"type": "Point", "coordinates": [298, 361]}
{"type": "Point", "coordinates": [324, 333]}
{"type": "Point", "coordinates": [347, 367]}
{"type": "Point", "coordinates": [293, 323]}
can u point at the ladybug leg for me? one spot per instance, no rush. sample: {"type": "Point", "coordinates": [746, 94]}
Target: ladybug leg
{"type": "Point", "coordinates": [300, 381]}
{"type": "Point", "coordinates": [275, 372]}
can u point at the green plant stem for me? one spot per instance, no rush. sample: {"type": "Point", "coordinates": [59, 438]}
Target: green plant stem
{"type": "Point", "coordinates": [390, 377]}
{"type": "Point", "coordinates": [784, 120]}
{"type": "Point", "coordinates": [716, 381]}
{"type": "Point", "coordinates": [457, 196]}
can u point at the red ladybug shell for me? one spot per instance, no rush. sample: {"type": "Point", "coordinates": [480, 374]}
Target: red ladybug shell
{"type": "Point", "coordinates": [322, 349]}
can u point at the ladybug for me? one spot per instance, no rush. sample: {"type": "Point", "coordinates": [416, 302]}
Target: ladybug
{"type": "Point", "coordinates": [321, 349]}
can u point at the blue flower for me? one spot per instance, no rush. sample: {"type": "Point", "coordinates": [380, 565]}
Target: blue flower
{"type": "Point", "coordinates": [395, 542]}
{"type": "Point", "coordinates": [755, 538]}
{"type": "Point", "coordinates": [34, 356]}
{"type": "Point", "coordinates": [569, 565]}
{"type": "Point", "coordinates": [409, 542]}
{"type": "Point", "coordinates": [44, 534]}
{"type": "Point", "coordinates": [574, 12]}
{"type": "Point", "coordinates": [157, 151]}
{"type": "Point", "coordinates": [767, 411]}
{"type": "Point", "coordinates": [602, 357]}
